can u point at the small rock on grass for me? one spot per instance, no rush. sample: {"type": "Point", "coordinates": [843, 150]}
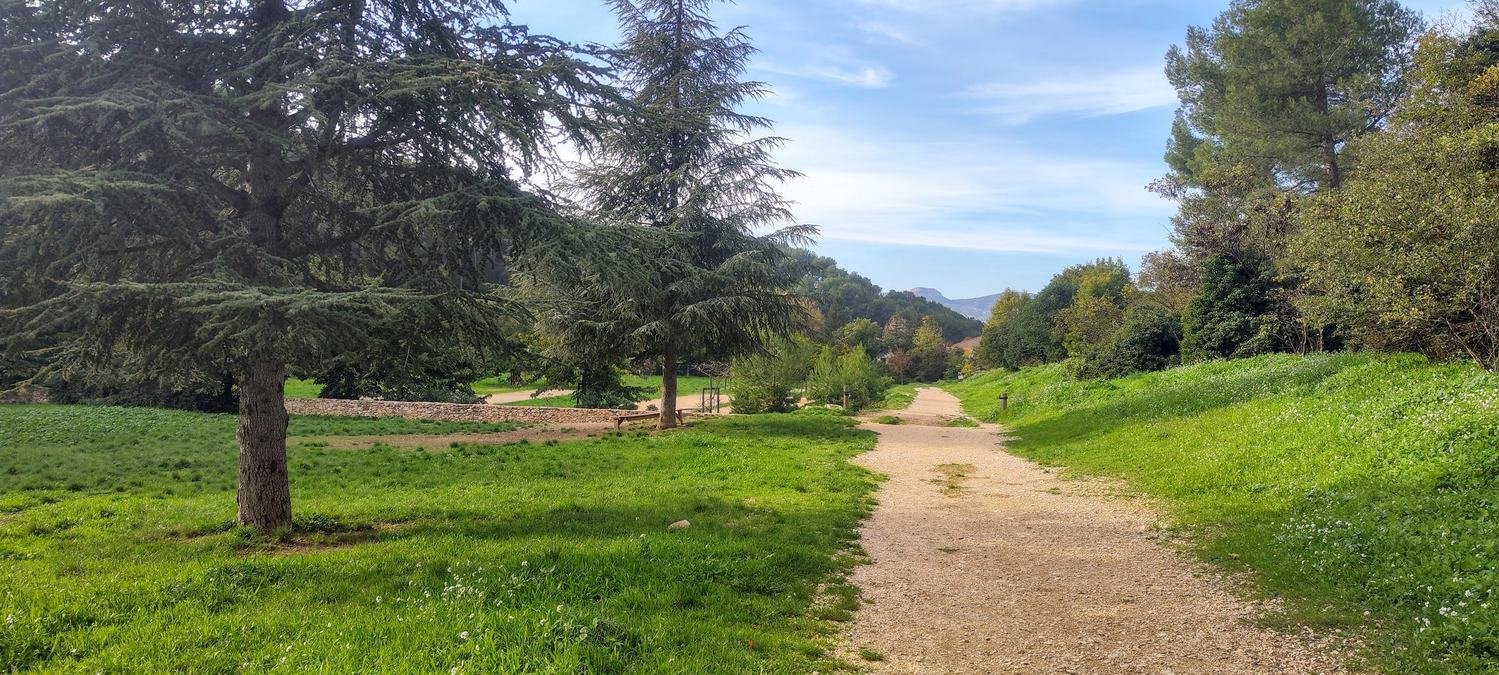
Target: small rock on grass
{"type": "Point", "coordinates": [679, 525]}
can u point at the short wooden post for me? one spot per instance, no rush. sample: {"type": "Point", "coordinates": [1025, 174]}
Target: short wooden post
{"type": "Point", "coordinates": [1004, 402]}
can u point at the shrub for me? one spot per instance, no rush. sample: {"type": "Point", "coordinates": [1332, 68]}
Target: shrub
{"type": "Point", "coordinates": [1231, 317]}
{"type": "Point", "coordinates": [852, 374]}
{"type": "Point", "coordinates": [768, 383]}
{"type": "Point", "coordinates": [1149, 339]}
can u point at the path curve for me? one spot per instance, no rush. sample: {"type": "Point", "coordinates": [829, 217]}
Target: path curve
{"type": "Point", "coordinates": [984, 562]}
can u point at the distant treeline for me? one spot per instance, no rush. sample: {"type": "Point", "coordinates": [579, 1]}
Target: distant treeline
{"type": "Point", "coordinates": [1336, 169]}
{"type": "Point", "coordinates": [842, 296]}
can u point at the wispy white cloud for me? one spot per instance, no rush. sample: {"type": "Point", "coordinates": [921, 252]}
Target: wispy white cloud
{"type": "Point", "coordinates": [889, 32]}
{"type": "Point", "coordinates": [984, 195]}
{"type": "Point", "coordinates": [1018, 102]}
{"type": "Point", "coordinates": [869, 76]}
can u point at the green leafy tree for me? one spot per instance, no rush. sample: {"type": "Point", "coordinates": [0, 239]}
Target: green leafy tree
{"type": "Point", "coordinates": [1405, 256]}
{"type": "Point", "coordinates": [1004, 313]}
{"type": "Point", "coordinates": [684, 164]}
{"type": "Point", "coordinates": [850, 377]}
{"type": "Point", "coordinates": [770, 382]}
{"type": "Point", "coordinates": [258, 184]}
{"type": "Point", "coordinates": [929, 351]}
{"type": "Point", "coordinates": [1233, 316]}
{"type": "Point", "coordinates": [1102, 290]}
{"type": "Point", "coordinates": [1033, 333]}
{"type": "Point", "coordinates": [1285, 84]}
{"type": "Point", "coordinates": [956, 363]}
{"type": "Point", "coordinates": [1272, 93]}
{"type": "Point", "coordinates": [1148, 340]}
{"type": "Point", "coordinates": [1169, 278]}
{"type": "Point", "coordinates": [1087, 323]}
{"type": "Point", "coordinates": [860, 333]}
{"type": "Point", "coordinates": [897, 333]}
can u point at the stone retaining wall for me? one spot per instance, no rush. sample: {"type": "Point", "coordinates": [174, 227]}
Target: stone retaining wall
{"type": "Point", "coordinates": [450, 412]}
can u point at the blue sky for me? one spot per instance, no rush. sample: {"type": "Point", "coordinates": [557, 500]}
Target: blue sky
{"type": "Point", "coordinates": [965, 145]}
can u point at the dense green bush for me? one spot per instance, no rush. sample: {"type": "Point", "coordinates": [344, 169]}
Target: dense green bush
{"type": "Point", "coordinates": [1231, 317]}
{"type": "Point", "coordinates": [1404, 257]}
{"type": "Point", "coordinates": [770, 382]}
{"type": "Point", "coordinates": [851, 374]}
{"type": "Point", "coordinates": [1150, 339]}
{"type": "Point", "coordinates": [603, 387]}
{"type": "Point", "coordinates": [1028, 330]}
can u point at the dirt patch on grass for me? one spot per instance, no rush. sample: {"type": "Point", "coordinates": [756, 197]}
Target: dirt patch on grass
{"type": "Point", "coordinates": [953, 476]}
{"type": "Point", "coordinates": [315, 542]}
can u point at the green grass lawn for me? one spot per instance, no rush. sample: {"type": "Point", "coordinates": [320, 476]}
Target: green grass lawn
{"type": "Point", "coordinates": [900, 396]}
{"type": "Point", "coordinates": [302, 389]}
{"type": "Point", "coordinates": [687, 385]}
{"type": "Point", "coordinates": [117, 551]}
{"type": "Point", "coordinates": [1347, 483]}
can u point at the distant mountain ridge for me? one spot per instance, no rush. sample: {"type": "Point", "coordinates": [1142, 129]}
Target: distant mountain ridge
{"type": "Point", "coordinates": [973, 308]}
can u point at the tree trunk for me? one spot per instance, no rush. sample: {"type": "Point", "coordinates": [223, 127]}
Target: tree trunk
{"type": "Point", "coordinates": [1333, 167]}
{"type": "Point", "coordinates": [668, 390]}
{"type": "Point", "coordinates": [264, 488]}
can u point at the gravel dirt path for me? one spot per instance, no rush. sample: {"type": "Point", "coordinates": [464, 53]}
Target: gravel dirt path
{"type": "Point", "coordinates": [987, 563]}
{"type": "Point", "coordinates": [522, 396]}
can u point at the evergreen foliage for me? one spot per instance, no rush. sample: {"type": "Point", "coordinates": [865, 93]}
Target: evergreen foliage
{"type": "Point", "coordinates": [1282, 84]}
{"type": "Point", "coordinates": [1148, 340]}
{"type": "Point", "coordinates": [861, 333]}
{"type": "Point", "coordinates": [1031, 330]}
{"type": "Point", "coordinates": [1231, 316]}
{"type": "Point", "coordinates": [262, 184]}
{"type": "Point", "coordinates": [685, 166]}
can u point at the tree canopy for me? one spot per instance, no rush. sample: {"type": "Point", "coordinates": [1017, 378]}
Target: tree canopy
{"type": "Point", "coordinates": [684, 162]}
{"type": "Point", "coordinates": [1283, 84]}
{"type": "Point", "coordinates": [1405, 255]}
{"type": "Point", "coordinates": [255, 185]}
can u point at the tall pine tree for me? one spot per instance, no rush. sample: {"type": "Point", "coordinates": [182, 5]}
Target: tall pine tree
{"type": "Point", "coordinates": [686, 165]}
{"type": "Point", "coordinates": [253, 184]}
{"type": "Point", "coordinates": [1283, 84]}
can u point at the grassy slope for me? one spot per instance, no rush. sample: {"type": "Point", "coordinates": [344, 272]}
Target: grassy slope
{"type": "Point", "coordinates": [900, 396]}
{"type": "Point", "coordinates": [115, 541]}
{"type": "Point", "coordinates": [1349, 482]}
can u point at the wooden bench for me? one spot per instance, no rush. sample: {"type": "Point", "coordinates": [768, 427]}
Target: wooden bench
{"type": "Point", "coordinates": [620, 419]}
